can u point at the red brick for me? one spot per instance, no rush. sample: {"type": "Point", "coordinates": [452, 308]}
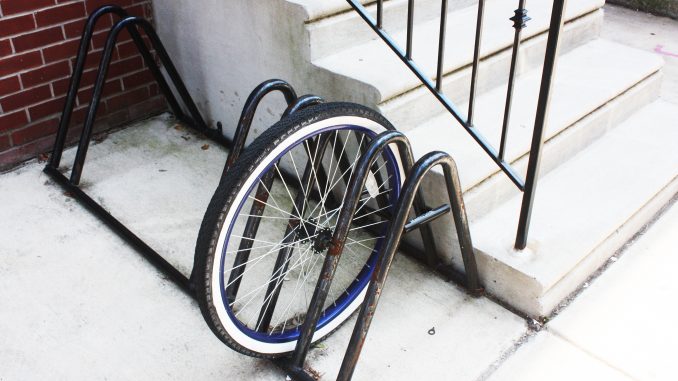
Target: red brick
{"type": "Point", "coordinates": [25, 98]}
{"type": "Point", "coordinates": [4, 143]}
{"type": "Point", "coordinates": [138, 79]}
{"type": "Point", "coordinates": [126, 99]}
{"type": "Point", "coordinates": [60, 14]}
{"type": "Point", "coordinates": [114, 119]}
{"type": "Point", "coordinates": [88, 77]}
{"type": "Point", "coordinates": [37, 39]}
{"type": "Point", "coordinates": [140, 10]}
{"type": "Point", "coordinates": [94, 4]}
{"type": "Point", "coordinates": [79, 114]}
{"type": "Point", "coordinates": [13, 120]}
{"type": "Point", "coordinates": [16, 25]}
{"type": "Point", "coordinates": [65, 50]}
{"type": "Point", "coordinates": [5, 48]}
{"type": "Point", "coordinates": [102, 110]}
{"type": "Point", "coordinates": [94, 58]}
{"type": "Point", "coordinates": [110, 88]}
{"type": "Point", "coordinates": [99, 39]}
{"type": "Point", "coordinates": [10, 7]}
{"type": "Point", "coordinates": [60, 87]}
{"type": "Point", "coordinates": [34, 132]}
{"type": "Point", "coordinates": [28, 151]}
{"type": "Point", "coordinates": [126, 66]}
{"type": "Point", "coordinates": [42, 110]}
{"type": "Point", "coordinates": [9, 85]}
{"type": "Point", "coordinates": [74, 29]}
{"type": "Point", "coordinates": [46, 74]}
{"type": "Point", "coordinates": [150, 106]}
{"type": "Point", "coordinates": [13, 64]}
{"type": "Point", "coordinates": [127, 49]}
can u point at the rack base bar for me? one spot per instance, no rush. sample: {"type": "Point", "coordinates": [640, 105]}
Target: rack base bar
{"type": "Point", "coordinates": [294, 372]}
{"type": "Point", "coordinates": [426, 218]}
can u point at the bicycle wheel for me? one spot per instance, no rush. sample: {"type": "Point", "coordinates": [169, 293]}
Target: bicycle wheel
{"type": "Point", "coordinates": [268, 226]}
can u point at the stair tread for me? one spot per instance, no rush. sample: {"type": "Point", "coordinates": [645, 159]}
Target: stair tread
{"type": "Point", "coordinates": [318, 9]}
{"type": "Point", "coordinates": [329, 35]}
{"type": "Point", "coordinates": [585, 200]}
{"type": "Point", "coordinates": [375, 64]}
{"type": "Point", "coordinates": [586, 78]}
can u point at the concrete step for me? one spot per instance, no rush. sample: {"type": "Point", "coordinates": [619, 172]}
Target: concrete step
{"type": "Point", "coordinates": [584, 211]}
{"type": "Point", "coordinates": [597, 86]}
{"type": "Point", "coordinates": [316, 10]}
{"type": "Point", "coordinates": [330, 35]}
{"type": "Point", "coordinates": [371, 67]}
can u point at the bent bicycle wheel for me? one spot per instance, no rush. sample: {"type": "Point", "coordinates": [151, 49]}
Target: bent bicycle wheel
{"type": "Point", "coordinates": [270, 222]}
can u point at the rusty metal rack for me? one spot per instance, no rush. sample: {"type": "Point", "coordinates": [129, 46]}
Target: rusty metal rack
{"type": "Point", "coordinates": [401, 223]}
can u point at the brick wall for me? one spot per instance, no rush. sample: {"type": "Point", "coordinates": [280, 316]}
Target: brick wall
{"type": "Point", "coordinates": [38, 44]}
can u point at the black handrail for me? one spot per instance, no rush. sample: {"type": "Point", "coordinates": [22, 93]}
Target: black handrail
{"type": "Point", "coordinates": [527, 186]}
{"type": "Point", "coordinates": [552, 47]}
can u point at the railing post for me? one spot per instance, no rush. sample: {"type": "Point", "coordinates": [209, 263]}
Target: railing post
{"type": "Point", "coordinates": [550, 60]}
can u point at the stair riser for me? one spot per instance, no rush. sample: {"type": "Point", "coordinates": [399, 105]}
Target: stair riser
{"type": "Point", "coordinates": [410, 110]}
{"type": "Point", "coordinates": [333, 34]}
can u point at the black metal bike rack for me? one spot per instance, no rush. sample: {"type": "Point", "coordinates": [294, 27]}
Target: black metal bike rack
{"type": "Point", "coordinates": [410, 197]}
{"type": "Point", "coordinates": [194, 119]}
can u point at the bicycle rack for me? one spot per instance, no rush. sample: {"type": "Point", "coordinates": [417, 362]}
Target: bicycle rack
{"type": "Point", "coordinates": [410, 198]}
{"type": "Point", "coordinates": [195, 120]}
{"type": "Point", "coordinates": [399, 225]}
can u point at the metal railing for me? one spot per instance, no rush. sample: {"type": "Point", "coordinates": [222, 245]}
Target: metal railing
{"type": "Point", "coordinates": [528, 185]}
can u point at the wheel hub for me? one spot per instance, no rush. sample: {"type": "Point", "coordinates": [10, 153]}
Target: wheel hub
{"type": "Point", "coordinates": [322, 241]}
{"type": "Point", "coordinates": [319, 237]}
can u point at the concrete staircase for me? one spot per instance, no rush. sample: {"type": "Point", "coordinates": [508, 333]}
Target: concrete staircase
{"type": "Point", "coordinates": [609, 160]}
